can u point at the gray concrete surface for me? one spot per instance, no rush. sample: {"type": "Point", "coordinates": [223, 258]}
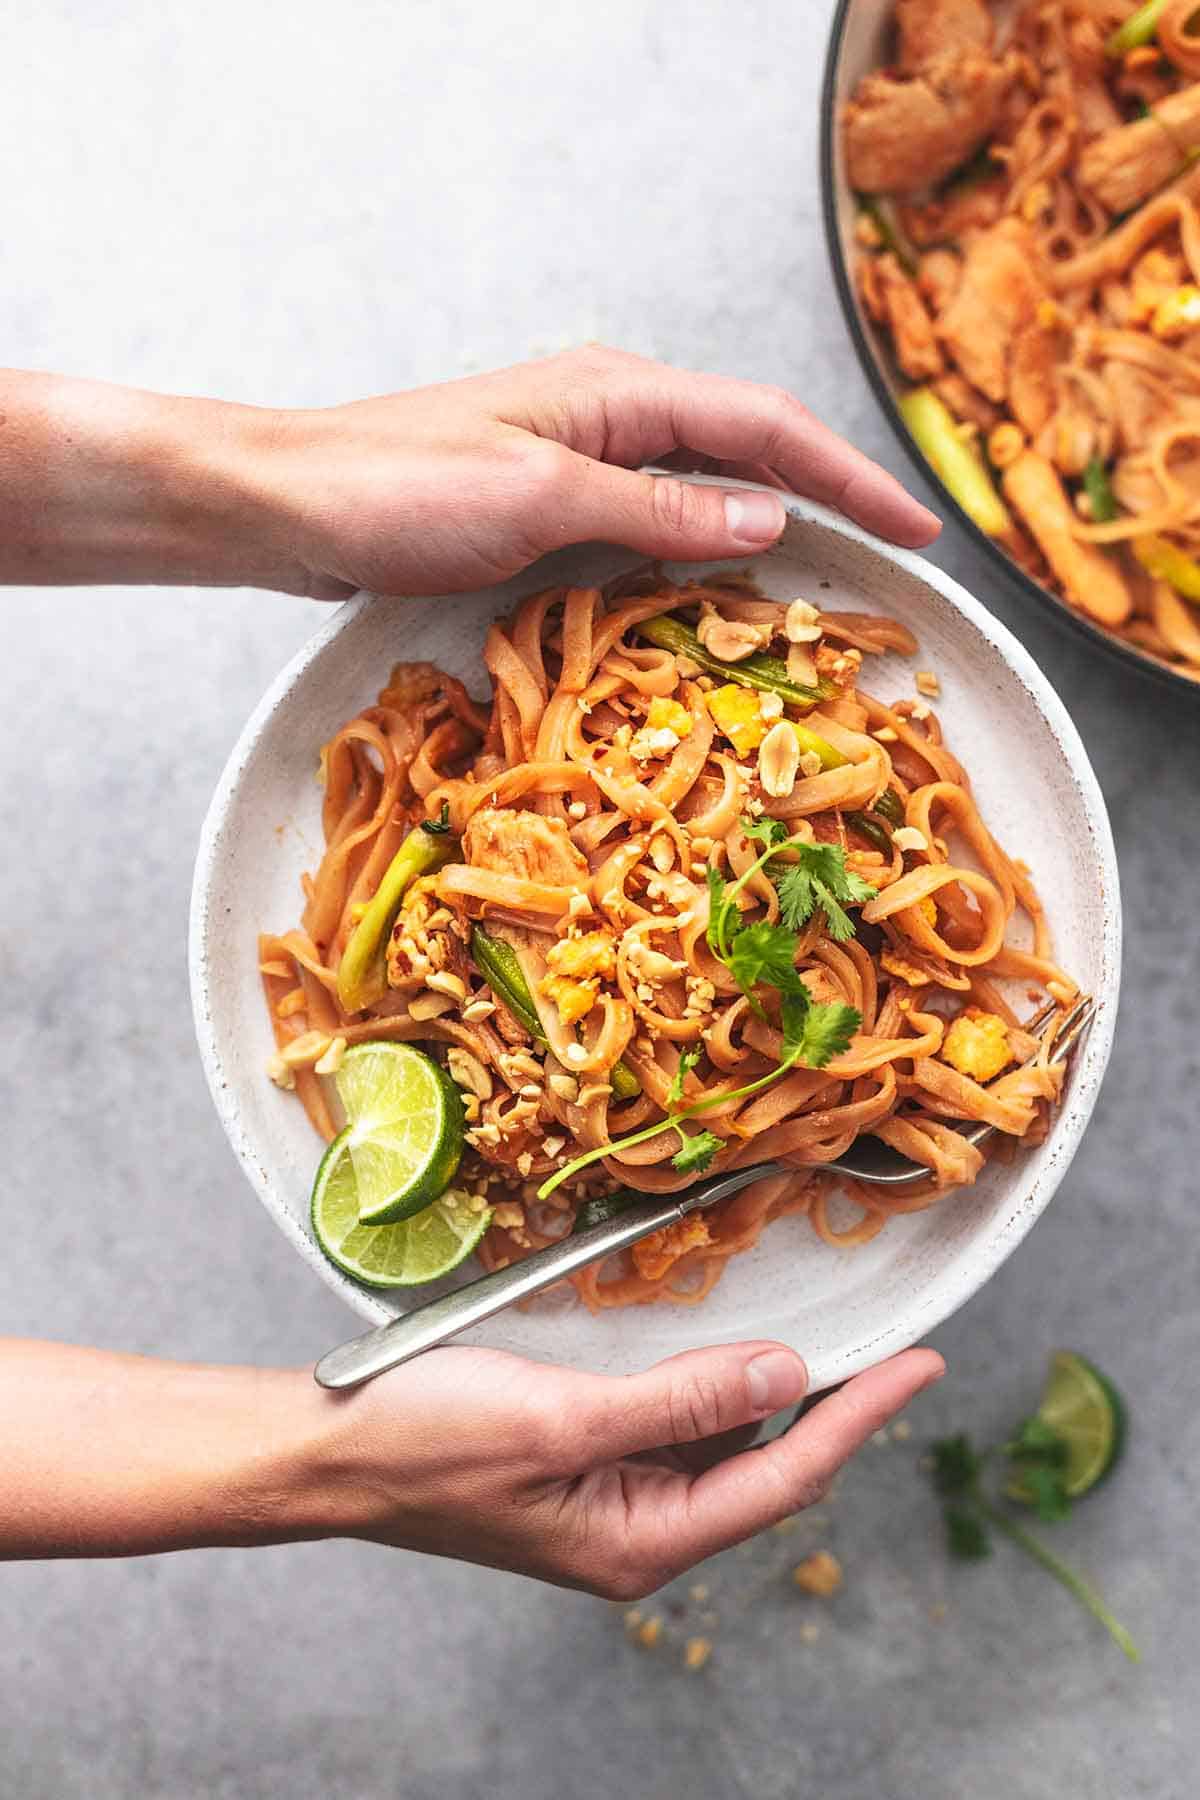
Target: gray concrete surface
{"type": "Point", "coordinates": [300, 204]}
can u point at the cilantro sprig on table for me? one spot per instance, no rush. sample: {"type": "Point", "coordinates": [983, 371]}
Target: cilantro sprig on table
{"type": "Point", "coordinates": [760, 955]}
{"type": "Point", "coordinates": [970, 1514]}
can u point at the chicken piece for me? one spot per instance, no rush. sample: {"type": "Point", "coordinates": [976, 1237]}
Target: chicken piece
{"type": "Point", "coordinates": [1123, 166]}
{"type": "Point", "coordinates": [1000, 293]}
{"type": "Point", "coordinates": [903, 133]}
{"type": "Point", "coordinates": [977, 1045]}
{"type": "Point", "coordinates": [896, 301]}
{"type": "Point", "coordinates": [1090, 578]}
{"type": "Point", "coordinates": [965, 402]}
{"type": "Point", "coordinates": [927, 27]}
{"type": "Point", "coordinates": [1031, 391]}
{"type": "Point", "coordinates": [938, 275]}
{"type": "Point", "coordinates": [961, 208]}
{"type": "Point", "coordinates": [525, 845]}
{"type": "Point", "coordinates": [654, 1255]}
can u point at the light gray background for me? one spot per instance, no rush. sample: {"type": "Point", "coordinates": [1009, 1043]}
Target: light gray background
{"type": "Point", "coordinates": [299, 204]}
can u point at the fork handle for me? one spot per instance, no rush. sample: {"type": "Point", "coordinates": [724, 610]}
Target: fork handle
{"type": "Point", "coordinates": [394, 1343]}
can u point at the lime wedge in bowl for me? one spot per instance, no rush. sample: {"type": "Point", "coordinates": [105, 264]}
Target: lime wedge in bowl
{"type": "Point", "coordinates": [1083, 1407]}
{"type": "Point", "coordinates": [404, 1132]}
{"type": "Point", "coordinates": [405, 1254]}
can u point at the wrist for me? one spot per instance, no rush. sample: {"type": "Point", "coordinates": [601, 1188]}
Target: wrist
{"type": "Point", "coordinates": [109, 484]}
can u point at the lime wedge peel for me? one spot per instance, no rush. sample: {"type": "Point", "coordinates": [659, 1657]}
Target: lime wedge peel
{"type": "Point", "coordinates": [404, 1134]}
{"type": "Point", "coordinates": [1085, 1409]}
{"type": "Point", "coordinates": [405, 1254]}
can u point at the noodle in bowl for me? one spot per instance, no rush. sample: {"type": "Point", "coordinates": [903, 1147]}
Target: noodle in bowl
{"type": "Point", "coordinates": [840, 1308]}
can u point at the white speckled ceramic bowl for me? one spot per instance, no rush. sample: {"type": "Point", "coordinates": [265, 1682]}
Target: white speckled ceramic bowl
{"type": "Point", "coordinates": [841, 1309]}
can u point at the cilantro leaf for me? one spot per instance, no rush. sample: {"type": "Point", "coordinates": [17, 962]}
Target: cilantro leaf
{"type": "Point", "coordinates": [765, 830]}
{"type": "Point", "coordinates": [820, 878]}
{"type": "Point", "coordinates": [764, 953]}
{"type": "Point", "coordinates": [826, 1033]}
{"type": "Point", "coordinates": [1045, 1488]}
{"type": "Point", "coordinates": [1036, 1441]}
{"type": "Point", "coordinates": [956, 1467]}
{"type": "Point", "coordinates": [687, 1062]}
{"type": "Point", "coordinates": [695, 1153]}
{"type": "Point", "coordinates": [967, 1536]}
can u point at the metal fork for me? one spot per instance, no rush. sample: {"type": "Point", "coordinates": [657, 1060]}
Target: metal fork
{"type": "Point", "coordinates": [868, 1159]}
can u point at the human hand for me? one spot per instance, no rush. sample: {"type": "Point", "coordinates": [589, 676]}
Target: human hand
{"type": "Point", "coordinates": [610, 1485]}
{"type": "Point", "coordinates": [453, 487]}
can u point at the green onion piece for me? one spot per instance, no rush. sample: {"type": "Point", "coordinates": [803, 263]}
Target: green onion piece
{"type": "Point", "coordinates": [766, 673]}
{"type": "Point", "coordinates": [1138, 29]}
{"type": "Point", "coordinates": [890, 232]}
{"type": "Point", "coordinates": [362, 973]}
{"type": "Point", "coordinates": [1166, 563]}
{"type": "Point", "coordinates": [1099, 491]}
{"type": "Point", "coordinates": [872, 829]}
{"type": "Point", "coordinates": [498, 961]}
{"type": "Point", "coordinates": [890, 806]}
{"type": "Point", "coordinates": [956, 462]}
{"type": "Point", "coordinates": [506, 978]}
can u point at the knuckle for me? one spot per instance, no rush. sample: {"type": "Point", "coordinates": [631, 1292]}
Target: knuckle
{"type": "Point", "coordinates": [543, 469]}
{"type": "Point", "coordinates": [539, 1431]}
{"type": "Point", "coordinates": [695, 1408]}
{"type": "Point", "coordinates": [674, 504]}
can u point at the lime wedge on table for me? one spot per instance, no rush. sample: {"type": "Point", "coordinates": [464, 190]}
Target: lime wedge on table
{"type": "Point", "coordinates": [404, 1133]}
{"type": "Point", "coordinates": [401, 1255]}
{"type": "Point", "coordinates": [1086, 1411]}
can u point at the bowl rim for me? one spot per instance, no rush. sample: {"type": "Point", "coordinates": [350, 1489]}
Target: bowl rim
{"type": "Point", "coordinates": [1004, 1232]}
{"type": "Point", "coordinates": [1128, 655]}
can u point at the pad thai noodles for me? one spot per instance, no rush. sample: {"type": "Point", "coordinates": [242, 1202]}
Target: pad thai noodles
{"type": "Point", "coordinates": [1030, 239]}
{"type": "Point", "coordinates": [680, 895]}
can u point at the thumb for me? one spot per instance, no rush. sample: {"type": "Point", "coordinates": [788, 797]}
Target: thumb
{"type": "Point", "coordinates": [694, 1396]}
{"type": "Point", "coordinates": [663, 516]}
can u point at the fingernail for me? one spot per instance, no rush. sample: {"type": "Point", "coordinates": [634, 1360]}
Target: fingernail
{"type": "Point", "coordinates": [774, 1379]}
{"type": "Point", "coordinates": [754, 518]}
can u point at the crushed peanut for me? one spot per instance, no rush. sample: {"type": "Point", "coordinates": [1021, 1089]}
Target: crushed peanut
{"type": "Point", "coordinates": [331, 1062]}
{"type": "Point", "coordinates": [810, 763]}
{"type": "Point", "coordinates": [928, 683]}
{"type": "Point", "coordinates": [280, 1072]}
{"type": "Point", "coordinates": [426, 1005]}
{"type": "Point", "coordinates": [696, 1652]}
{"type": "Point", "coordinates": [909, 838]}
{"type": "Point", "coordinates": [468, 1072]}
{"type": "Point", "coordinates": [478, 1009]}
{"type": "Point", "coordinates": [444, 981]}
{"type": "Point", "coordinates": [729, 639]}
{"type": "Point", "coordinates": [802, 623]}
{"type": "Point", "coordinates": [564, 1087]}
{"type": "Point", "coordinates": [778, 760]}
{"type": "Point", "coordinates": [820, 1573]}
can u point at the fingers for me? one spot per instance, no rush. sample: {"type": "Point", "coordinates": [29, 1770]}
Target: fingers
{"type": "Point", "coordinates": [691, 1397]}
{"type": "Point", "coordinates": [626, 410]}
{"type": "Point", "coordinates": [755, 1490]}
{"type": "Point", "coordinates": [663, 517]}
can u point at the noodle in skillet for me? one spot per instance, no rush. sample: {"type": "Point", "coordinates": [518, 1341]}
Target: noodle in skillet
{"type": "Point", "coordinates": [1033, 253]}
{"type": "Point", "coordinates": [558, 954]}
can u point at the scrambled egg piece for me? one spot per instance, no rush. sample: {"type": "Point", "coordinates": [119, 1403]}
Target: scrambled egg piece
{"type": "Point", "coordinates": [653, 1256]}
{"type": "Point", "coordinates": [575, 966]}
{"type": "Point", "coordinates": [591, 953]}
{"type": "Point", "coordinates": [977, 1045]}
{"type": "Point", "coordinates": [928, 911]}
{"type": "Point", "coordinates": [668, 715]}
{"type": "Point", "coordinates": [904, 970]}
{"type": "Point", "coordinates": [736, 713]}
{"type": "Point", "coordinates": [1177, 314]}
